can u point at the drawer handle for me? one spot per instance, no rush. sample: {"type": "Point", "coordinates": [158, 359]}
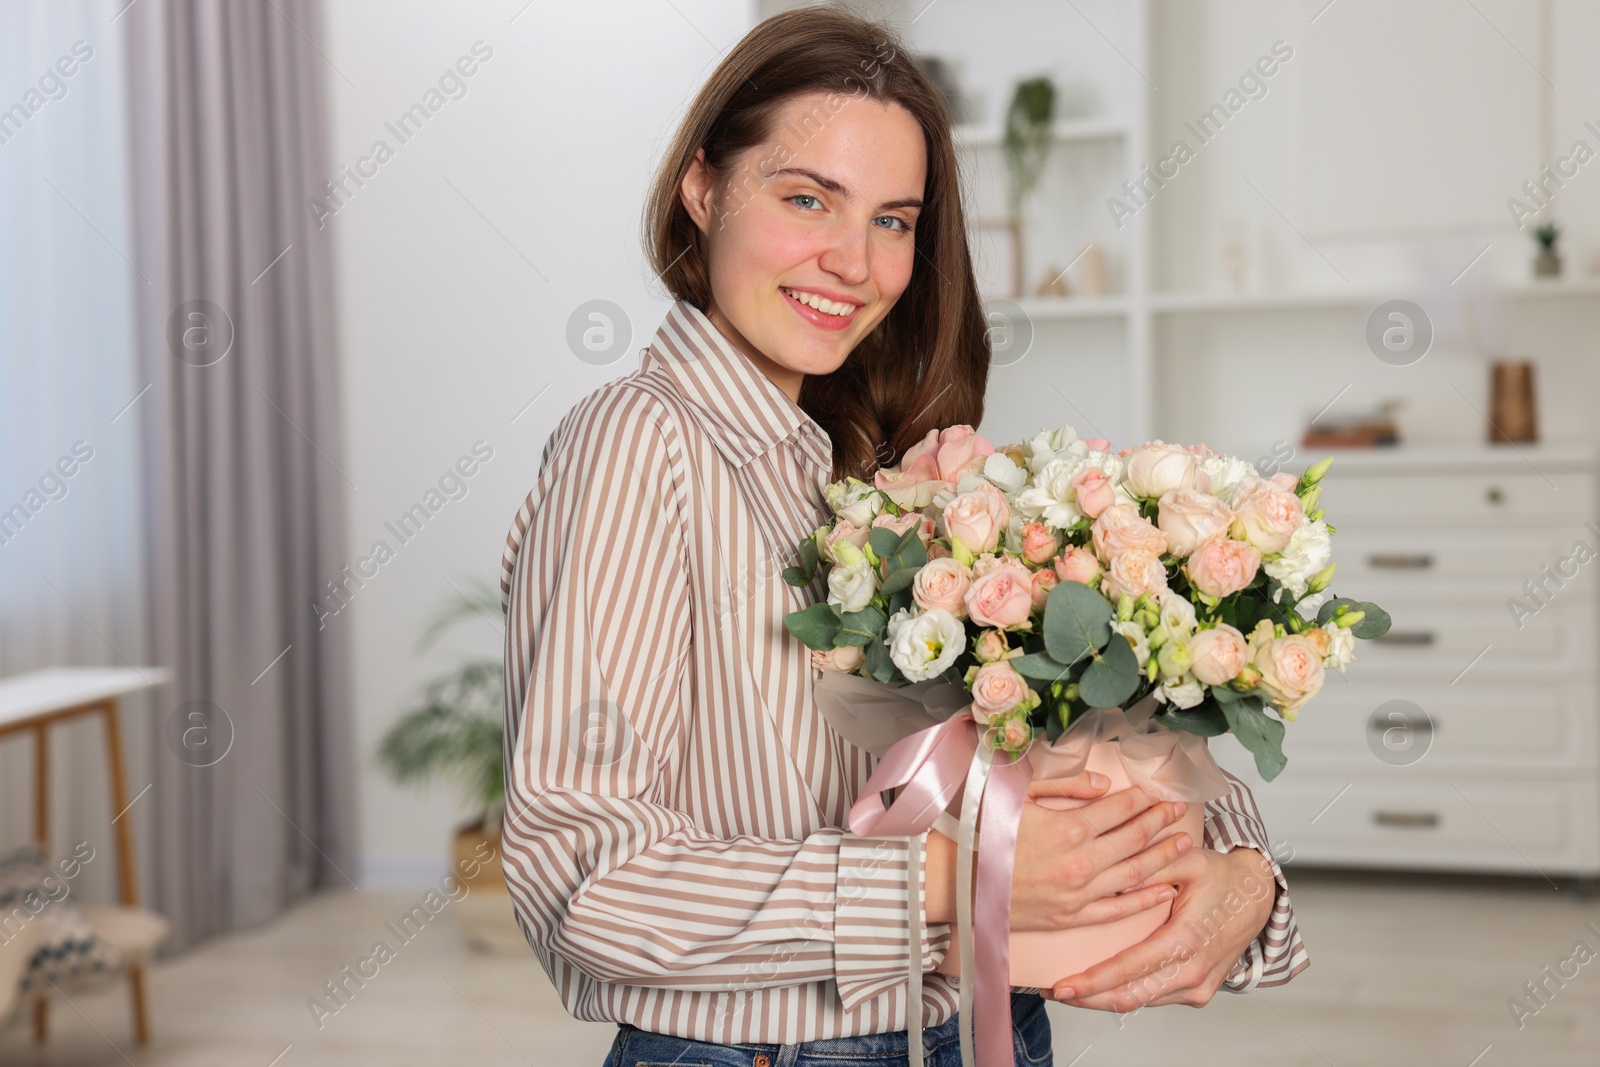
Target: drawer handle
{"type": "Point", "coordinates": [1495, 495]}
{"type": "Point", "coordinates": [1407, 820]}
{"type": "Point", "coordinates": [1401, 561]}
{"type": "Point", "coordinates": [1380, 723]}
{"type": "Point", "coordinates": [1405, 637]}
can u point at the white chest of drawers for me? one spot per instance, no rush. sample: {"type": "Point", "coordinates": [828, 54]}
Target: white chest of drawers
{"type": "Point", "coordinates": [1468, 737]}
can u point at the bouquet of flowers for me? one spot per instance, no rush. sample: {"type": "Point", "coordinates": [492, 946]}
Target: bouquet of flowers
{"type": "Point", "coordinates": [1057, 578]}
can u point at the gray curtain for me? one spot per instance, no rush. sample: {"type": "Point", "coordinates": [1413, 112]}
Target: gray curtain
{"type": "Point", "coordinates": [253, 759]}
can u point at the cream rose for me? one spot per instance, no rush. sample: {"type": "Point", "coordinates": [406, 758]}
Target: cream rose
{"type": "Point", "coordinates": [1291, 672]}
{"type": "Point", "coordinates": [1222, 566]}
{"type": "Point", "coordinates": [978, 517]}
{"type": "Point", "coordinates": [996, 689]}
{"type": "Point", "coordinates": [1133, 572]}
{"type": "Point", "coordinates": [1002, 596]}
{"type": "Point", "coordinates": [1157, 467]}
{"type": "Point", "coordinates": [1188, 517]}
{"type": "Point", "coordinates": [1216, 656]}
{"type": "Point", "coordinates": [1121, 528]}
{"type": "Point", "coordinates": [1266, 515]}
{"type": "Point", "coordinates": [943, 583]}
{"type": "Point", "coordinates": [845, 658]}
{"type": "Point", "coordinates": [1077, 564]}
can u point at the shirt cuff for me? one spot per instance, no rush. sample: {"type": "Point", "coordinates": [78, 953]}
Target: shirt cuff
{"type": "Point", "coordinates": [1277, 952]}
{"type": "Point", "coordinates": [871, 930]}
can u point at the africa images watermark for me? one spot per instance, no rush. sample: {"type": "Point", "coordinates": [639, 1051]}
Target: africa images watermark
{"type": "Point", "coordinates": [1537, 989]}
{"type": "Point", "coordinates": [52, 86]}
{"type": "Point", "coordinates": [452, 85]}
{"type": "Point", "coordinates": [1252, 86]}
{"type": "Point", "coordinates": [339, 991]}
{"type": "Point", "coordinates": [1538, 590]}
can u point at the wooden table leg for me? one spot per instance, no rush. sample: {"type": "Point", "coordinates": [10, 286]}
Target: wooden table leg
{"type": "Point", "coordinates": [41, 834]}
{"type": "Point", "coordinates": [128, 883]}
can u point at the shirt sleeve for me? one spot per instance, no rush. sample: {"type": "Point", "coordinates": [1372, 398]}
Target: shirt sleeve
{"type": "Point", "coordinates": [604, 870]}
{"type": "Point", "coordinates": [1278, 953]}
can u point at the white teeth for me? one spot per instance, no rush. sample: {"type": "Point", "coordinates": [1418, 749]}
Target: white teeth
{"type": "Point", "coordinates": [827, 307]}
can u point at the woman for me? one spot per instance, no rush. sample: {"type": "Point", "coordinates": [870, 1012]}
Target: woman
{"type": "Point", "coordinates": [673, 831]}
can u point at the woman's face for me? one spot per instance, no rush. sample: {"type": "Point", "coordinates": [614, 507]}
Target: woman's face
{"type": "Point", "coordinates": [825, 209]}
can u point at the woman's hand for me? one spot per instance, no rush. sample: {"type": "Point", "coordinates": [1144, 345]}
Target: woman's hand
{"type": "Point", "coordinates": [1075, 867]}
{"type": "Point", "coordinates": [1224, 899]}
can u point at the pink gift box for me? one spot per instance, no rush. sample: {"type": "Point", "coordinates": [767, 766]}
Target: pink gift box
{"type": "Point", "coordinates": [1041, 958]}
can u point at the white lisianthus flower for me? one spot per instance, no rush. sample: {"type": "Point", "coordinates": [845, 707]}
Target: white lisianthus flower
{"type": "Point", "coordinates": [1047, 444]}
{"type": "Point", "coordinates": [850, 587]}
{"type": "Point", "coordinates": [1341, 647]}
{"type": "Point", "coordinates": [1307, 552]}
{"type": "Point", "coordinates": [999, 469]}
{"type": "Point", "coordinates": [923, 645]}
{"type": "Point", "coordinates": [1177, 619]}
{"type": "Point", "coordinates": [1184, 693]}
{"type": "Point", "coordinates": [1136, 637]}
{"type": "Point", "coordinates": [1050, 498]}
{"type": "Point", "coordinates": [854, 501]}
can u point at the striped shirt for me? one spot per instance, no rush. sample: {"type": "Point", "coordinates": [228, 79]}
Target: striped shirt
{"type": "Point", "coordinates": [673, 833]}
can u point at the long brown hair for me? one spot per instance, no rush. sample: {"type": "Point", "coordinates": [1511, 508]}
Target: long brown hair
{"type": "Point", "coordinates": [927, 363]}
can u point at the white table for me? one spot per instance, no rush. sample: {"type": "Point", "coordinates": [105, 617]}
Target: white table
{"type": "Point", "coordinates": [37, 700]}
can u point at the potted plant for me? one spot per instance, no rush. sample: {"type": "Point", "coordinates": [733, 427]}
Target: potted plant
{"type": "Point", "coordinates": [1548, 263]}
{"type": "Point", "coordinates": [1026, 140]}
{"type": "Point", "coordinates": [456, 732]}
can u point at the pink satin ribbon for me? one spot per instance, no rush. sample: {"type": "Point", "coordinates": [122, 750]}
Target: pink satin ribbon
{"type": "Point", "coordinates": [931, 766]}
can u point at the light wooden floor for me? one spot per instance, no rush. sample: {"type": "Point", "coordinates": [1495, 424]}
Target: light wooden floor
{"type": "Point", "coordinates": [1404, 971]}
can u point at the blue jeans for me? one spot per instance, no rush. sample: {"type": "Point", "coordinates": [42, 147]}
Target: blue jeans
{"type": "Point", "coordinates": [1030, 1042]}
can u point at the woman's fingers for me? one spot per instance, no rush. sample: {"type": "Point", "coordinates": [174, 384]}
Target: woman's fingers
{"type": "Point", "coordinates": [1134, 835]}
{"type": "Point", "coordinates": [1085, 786]}
{"type": "Point", "coordinates": [1142, 869]}
{"type": "Point", "coordinates": [1122, 905]}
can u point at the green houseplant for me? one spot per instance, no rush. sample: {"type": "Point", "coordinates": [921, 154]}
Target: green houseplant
{"type": "Point", "coordinates": [456, 733]}
{"type": "Point", "coordinates": [1548, 262]}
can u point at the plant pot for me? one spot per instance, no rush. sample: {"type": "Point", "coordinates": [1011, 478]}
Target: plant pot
{"type": "Point", "coordinates": [1547, 264]}
{"type": "Point", "coordinates": [1041, 958]}
{"type": "Point", "coordinates": [485, 912]}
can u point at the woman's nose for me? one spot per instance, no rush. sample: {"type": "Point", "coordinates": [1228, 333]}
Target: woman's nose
{"type": "Point", "coordinates": [848, 256]}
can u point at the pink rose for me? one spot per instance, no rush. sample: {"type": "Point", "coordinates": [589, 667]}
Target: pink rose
{"type": "Point", "coordinates": [1120, 528]}
{"type": "Point", "coordinates": [1038, 543]}
{"type": "Point", "coordinates": [1291, 672]}
{"type": "Point", "coordinates": [1156, 467]}
{"type": "Point", "coordinates": [1188, 517]}
{"type": "Point", "coordinates": [934, 463]}
{"type": "Point", "coordinates": [845, 658]}
{"type": "Point", "coordinates": [1285, 480]}
{"type": "Point", "coordinates": [1002, 597]}
{"type": "Point", "coordinates": [1098, 444]}
{"type": "Point", "coordinates": [1218, 655]}
{"type": "Point", "coordinates": [1222, 566]}
{"type": "Point", "coordinates": [1077, 564]}
{"type": "Point", "coordinates": [1016, 733]}
{"type": "Point", "coordinates": [1094, 491]}
{"type": "Point", "coordinates": [1265, 514]}
{"type": "Point", "coordinates": [846, 531]}
{"type": "Point", "coordinates": [978, 517]}
{"type": "Point", "coordinates": [901, 523]}
{"type": "Point", "coordinates": [1133, 572]}
{"type": "Point", "coordinates": [996, 689]}
{"type": "Point", "coordinates": [938, 550]}
{"type": "Point", "coordinates": [990, 645]}
{"type": "Point", "coordinates": [1044, 579]}
{"type": "Point", "coordinates": [942, 583]}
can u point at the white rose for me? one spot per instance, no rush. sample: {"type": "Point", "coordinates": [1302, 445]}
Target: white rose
{"type": "Point", "coordinates": [852, 587]}
{"type": "Point", "coordinates": [925, 644]}
{"type": "Point", "coordinates": [1047, 444]}
{"type": "Point", "coordinates": [1157, 467]}
{"type": "Point", "coordinates": [1341, 647]}
{"type": "Point", "coordinates": [1049, 499]}
{"type": "Point", "coordinates": [854, 501]}
{"type": "Point", "coordinates": [1308, 551]}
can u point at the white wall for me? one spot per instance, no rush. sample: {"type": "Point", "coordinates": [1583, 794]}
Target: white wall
{"type": "Point", "coordinates": [458, 264]}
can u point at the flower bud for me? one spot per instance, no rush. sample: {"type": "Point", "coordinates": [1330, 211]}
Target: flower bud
{"type": "Point", "coordinates": [1315, 473]}
{"type": "Point", "coordinates": [960, 551]}
{"type": "Point", "coordinates": [1349, 619]}
{"type": "Point", "coordinates": [1320, 580]}
{"type": "Point", "coordinates": [1125, 608]}
{"type": "Point", "coordinates": [1309, 498]}
{"type": "Point", "coordinates": [846, 554]}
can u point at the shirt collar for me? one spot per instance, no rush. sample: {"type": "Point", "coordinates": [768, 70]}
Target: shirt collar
{"type": "Point", "coordinates": [745, 412]}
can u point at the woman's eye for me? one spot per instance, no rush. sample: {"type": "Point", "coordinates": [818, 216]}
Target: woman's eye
{"type": "Point", "coordinates": [801, 196]}
{"type": "Point", "coordinates": [903, 227]}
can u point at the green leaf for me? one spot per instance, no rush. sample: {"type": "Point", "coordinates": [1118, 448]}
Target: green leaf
{"type": "Point", "coordinates": [859, 628]}
{"type": "Point", "coordinates": [808, 557]}
{"type": "Point", "coordinates": [1374, 624]}
{"type": "Point", "coordinates": [1112, 677]}
{"type": "Point", "coordinates": [817, 625]}
{"type": "Point", "coordinates": [1077, 621]}
{"type": "Point", "coordinates": [1224, 694]}
{"type": "Point", "coordinates": [883, 541]}
{"type": "Point", "coordinates": [796, 576]}
{"type": "Point", "coordinates": [899, 601]}
{"type": "Point", "coordinates": [898, 579]}
{"type": "Point", "coordinates": [1258, 732]}
{"type": "Point", "coordinates": [878, 664]}
{"type": "Point", "coordinates": [1205, 720]}
{"type": "Point", "coordinates": [908, 553]}
{"type": "Point", "coordinates": [1040, 665]}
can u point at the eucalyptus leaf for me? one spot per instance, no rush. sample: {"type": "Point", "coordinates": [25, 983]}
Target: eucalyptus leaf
{"type": "Point", "coordinates": [878, 664]}
{"type": "Point", "coordinates": [1112, 677]}
{"type": "Point", "coordinates": [1330, 606]}
{"type": "Point", "coordinates": [883, 541]}
{"type": "Point", "coordinates": [858, 628]}
{"type": "Point", "coordinates": [1077, 622]}
{"type": "Point", "coordinates": [817, 625]}
{"type": "Point", "coordinates": [898, 580]}
{"type": "Point", "coordinates": [1204, 720]}
{"type": "Point", "coordinates": [1042, 666]}
{"type": "Point", "coordinates": [1258, 732]}
{"type": "Point", "coordinates": [1375, 623]}
{"type": "Point", "coordinates": [908, 553]}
